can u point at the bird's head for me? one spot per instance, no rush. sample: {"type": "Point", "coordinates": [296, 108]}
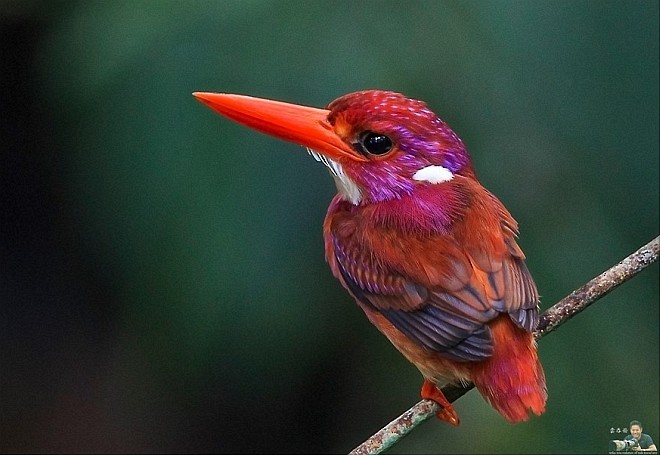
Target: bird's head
{"type": "Point", "coordinates": [378, 145]}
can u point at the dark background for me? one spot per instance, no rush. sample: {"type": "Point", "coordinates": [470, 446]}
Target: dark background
{"type": "Point", "coordinates": [162, 281]}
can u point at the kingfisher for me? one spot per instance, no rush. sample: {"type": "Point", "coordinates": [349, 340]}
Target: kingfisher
{"type": "Point", "coordinates": [426, 251]}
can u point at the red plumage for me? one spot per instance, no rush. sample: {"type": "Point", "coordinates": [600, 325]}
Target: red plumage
{"type": "Point", "coordinates": [476, 260]}
{"type": "Point", "coordinates": [428, 254]}
{"type": "Point", "coordinates": [512, 379]}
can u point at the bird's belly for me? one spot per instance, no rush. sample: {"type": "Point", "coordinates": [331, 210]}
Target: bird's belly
{"type": "Point", "coordinates": [433, 365]}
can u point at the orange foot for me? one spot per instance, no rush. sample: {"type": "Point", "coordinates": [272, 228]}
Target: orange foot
{"type": "Point", "coordinates": [433, 393]}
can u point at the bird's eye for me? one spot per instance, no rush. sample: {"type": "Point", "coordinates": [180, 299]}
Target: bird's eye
{"type": "Point", "coordinates": [375, 143]}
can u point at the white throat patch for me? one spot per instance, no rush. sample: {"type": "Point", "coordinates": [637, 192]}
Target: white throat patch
{"type": "Point", "coordinates": [433, 174]}
{"type": "Point", "coordinates": [346, 187]}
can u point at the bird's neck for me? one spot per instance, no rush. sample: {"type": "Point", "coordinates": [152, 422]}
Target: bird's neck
{"type": "Point", "coordinates": [430, 209]}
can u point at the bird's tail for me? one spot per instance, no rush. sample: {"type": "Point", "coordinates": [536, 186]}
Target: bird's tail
{"type": "Point", "coordinates": [512, 379]}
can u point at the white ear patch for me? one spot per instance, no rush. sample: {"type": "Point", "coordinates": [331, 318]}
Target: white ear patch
{"type": "Point", "coordinates": [433, 174]}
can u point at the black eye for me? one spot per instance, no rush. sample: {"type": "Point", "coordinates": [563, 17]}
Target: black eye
{"type": "Point", "coordinates": [375, 143]}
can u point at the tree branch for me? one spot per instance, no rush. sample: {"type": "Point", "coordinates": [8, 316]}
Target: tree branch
{"type": "Point", "coordinates": [551, 319]}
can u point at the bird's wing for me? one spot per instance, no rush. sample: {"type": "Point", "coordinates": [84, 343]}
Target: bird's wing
{"type": "Point", "coordinates": [438, 292]}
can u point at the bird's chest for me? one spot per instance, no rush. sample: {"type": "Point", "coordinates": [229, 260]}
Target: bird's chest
{"type": "Point", "coordinates": [375, 249]}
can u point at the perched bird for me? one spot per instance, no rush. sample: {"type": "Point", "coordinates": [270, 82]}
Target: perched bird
{"type": "Point", "coordinates": [426, 251]}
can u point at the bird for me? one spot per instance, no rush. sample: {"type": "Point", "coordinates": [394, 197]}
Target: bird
{"type": "Point", "coordinates": [427, 252]}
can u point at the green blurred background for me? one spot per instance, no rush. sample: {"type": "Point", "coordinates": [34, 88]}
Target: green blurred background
{"type": "Point", "coordinates": [163, 286]}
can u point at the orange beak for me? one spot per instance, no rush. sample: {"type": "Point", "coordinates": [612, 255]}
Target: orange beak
{"type": "Point", "coordinates": [302, 125]}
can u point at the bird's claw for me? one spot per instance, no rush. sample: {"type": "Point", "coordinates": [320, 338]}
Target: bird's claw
{"type": "Point", "coordinates": [433, 393]}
